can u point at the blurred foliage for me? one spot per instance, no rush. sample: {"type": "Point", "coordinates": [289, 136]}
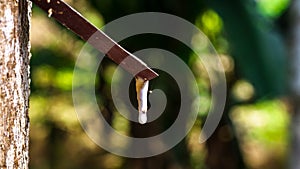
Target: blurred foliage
{"type": "Point", "coordinates": [256, 46]}
{"type": "Point", "coordinates": [250, 47]}
{"type": "Point", "coordinates": [262, 130]}
{"type": "Point", "coordinates": [272, 8]}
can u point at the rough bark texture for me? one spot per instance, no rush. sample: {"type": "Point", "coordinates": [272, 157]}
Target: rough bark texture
{"type": "Point", "coordinates": [14, 83]}
{"type": "Point", "coordinates": [294, 45]}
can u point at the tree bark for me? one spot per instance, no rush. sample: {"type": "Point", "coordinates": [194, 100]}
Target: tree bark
{"type": "Point", "coordinates": [14, 83]}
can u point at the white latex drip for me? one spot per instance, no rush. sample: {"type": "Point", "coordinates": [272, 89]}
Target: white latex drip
{"type": "Point", "coordinates": [142, 91]}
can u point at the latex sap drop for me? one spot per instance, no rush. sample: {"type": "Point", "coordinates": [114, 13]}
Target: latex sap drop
{"type": "Point", "coordinates": [142, 91]}
{"type": "Point", "coordinates": [142, 117]}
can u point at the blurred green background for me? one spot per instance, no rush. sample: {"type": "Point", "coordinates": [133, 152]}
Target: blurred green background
{"type": "Point", "coordinates": [249, 37]}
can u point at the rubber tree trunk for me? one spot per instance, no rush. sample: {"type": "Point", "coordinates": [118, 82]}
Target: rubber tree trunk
{"type": "Point", "coordinates": [14, 83]}
{"type": "Point", "coordinates": [294, 45]}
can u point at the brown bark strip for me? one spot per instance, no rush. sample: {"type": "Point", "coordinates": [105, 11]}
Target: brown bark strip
{"type": "Point", "coordinates": [70, 18]}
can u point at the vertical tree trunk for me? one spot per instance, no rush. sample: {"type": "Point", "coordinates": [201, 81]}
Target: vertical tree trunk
{"type": "Point", "coordinates": [294, 46]}
{"type": "Point", "coordinates": [14, 83]}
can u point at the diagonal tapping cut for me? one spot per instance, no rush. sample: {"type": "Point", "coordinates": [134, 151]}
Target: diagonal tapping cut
{"type": "Point", "coordinates": [74, 21]}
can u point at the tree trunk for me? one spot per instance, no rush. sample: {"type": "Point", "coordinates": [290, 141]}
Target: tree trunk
{"type": "Point", "coordinates": [14, 83]}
